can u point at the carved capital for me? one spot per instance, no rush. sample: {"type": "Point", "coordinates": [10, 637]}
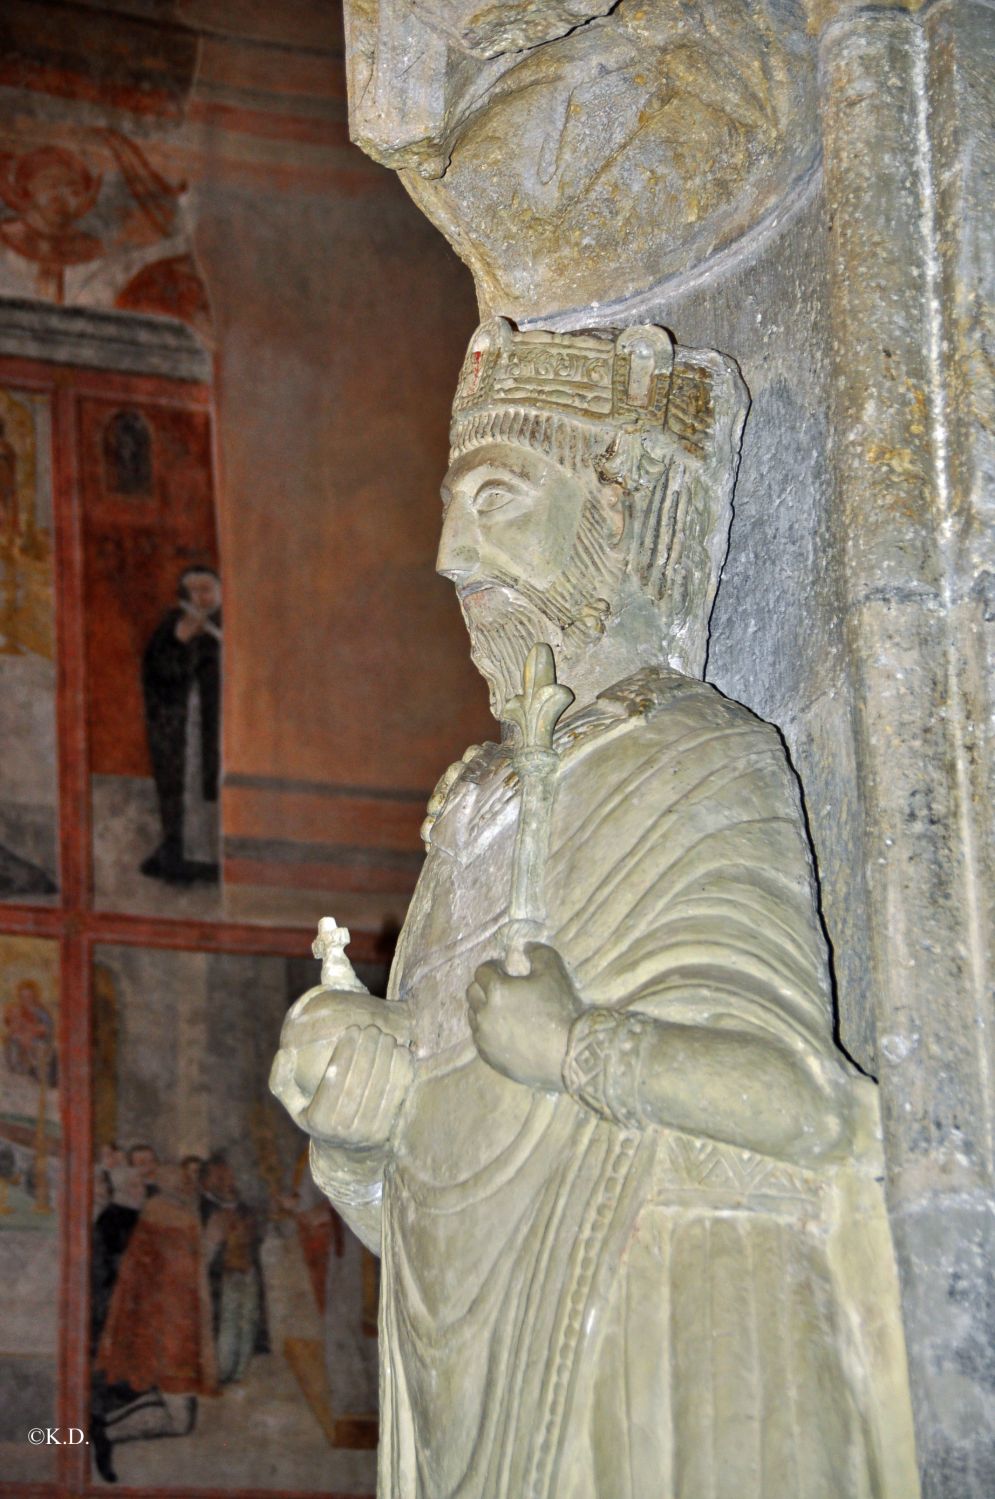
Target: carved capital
{"type": "Point", "coordinates": [578, 152]}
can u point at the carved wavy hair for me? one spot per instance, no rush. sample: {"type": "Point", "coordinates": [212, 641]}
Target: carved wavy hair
{"type": "Point", "coordinates": [677, 534]}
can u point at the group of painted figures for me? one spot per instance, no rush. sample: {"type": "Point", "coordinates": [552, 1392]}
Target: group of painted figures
{"type": "Point", "coordinates": [178, 1303]}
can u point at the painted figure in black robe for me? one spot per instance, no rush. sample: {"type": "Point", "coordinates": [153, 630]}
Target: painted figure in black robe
{"type": "Point", "coordinates": [184, 652]}
{"type": "Point", "coordinates": [233, 1237]}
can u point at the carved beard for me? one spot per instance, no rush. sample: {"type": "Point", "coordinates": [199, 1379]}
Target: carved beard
{"type": "Point", "coordinates": [503, 629]}
{"type": "Point", "coordinates": [506, 615]}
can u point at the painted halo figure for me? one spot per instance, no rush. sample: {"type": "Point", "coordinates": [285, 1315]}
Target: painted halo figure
{"type": "Point", "coordinates": [624, 1185]}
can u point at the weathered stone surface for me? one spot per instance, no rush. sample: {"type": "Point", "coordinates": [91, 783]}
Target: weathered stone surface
{"type": "Point", "coordinates": [946, 1244]}
{"type": "Point", "coordinates": [596, 160]}
{"type": "Point", "coordinates": [102, 340]}
{"type": "Point", "coordinates": [908, 112]}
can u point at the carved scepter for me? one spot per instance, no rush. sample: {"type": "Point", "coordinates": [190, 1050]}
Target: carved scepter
{"type": "Point", "coordinates": [535, 712]}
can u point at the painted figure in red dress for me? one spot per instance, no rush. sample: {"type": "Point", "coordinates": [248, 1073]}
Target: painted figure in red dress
{"type": "Point", "coordinates": [156, 1351]}
{"type": "Point", "coordinates": [29, 1033]}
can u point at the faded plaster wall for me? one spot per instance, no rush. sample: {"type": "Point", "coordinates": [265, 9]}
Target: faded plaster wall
{"type": "Point", "coordinates": [340, 319]}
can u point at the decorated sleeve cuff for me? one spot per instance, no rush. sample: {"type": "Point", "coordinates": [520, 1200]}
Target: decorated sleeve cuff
{"type": "Point", "coordinates": [603, 1064]}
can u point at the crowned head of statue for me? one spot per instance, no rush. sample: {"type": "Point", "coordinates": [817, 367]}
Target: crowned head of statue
{"type": "Point", "coordinates": [588, 501]}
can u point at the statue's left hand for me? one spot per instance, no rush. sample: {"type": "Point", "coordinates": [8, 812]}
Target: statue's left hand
{"type": "Point", "coordinates": [359, 1097]}
{"type": "Point", "coordinates": [521, 1026]}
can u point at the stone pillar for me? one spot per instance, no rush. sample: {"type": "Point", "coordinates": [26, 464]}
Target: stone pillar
{"type": "Point", "coordinates": [906, 129]}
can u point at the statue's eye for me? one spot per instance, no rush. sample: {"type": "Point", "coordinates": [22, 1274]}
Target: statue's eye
{"type": "Point", "coordinates": [491, 497]}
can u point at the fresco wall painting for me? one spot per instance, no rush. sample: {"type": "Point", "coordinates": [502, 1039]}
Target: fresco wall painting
{"type": "Point", "coordinates": [28, 815]}
{"type": "Point", "coordinates": [212, 1250]}
{"type": "Point", "coordinates": [220, 1320]}
{"type": "Point", "coordinates": [93, 211]}
{"type": "Point", "coordinates": [112, 126]}
{"type": "Point", "coordinates": [30, 1200]}
{"type": "Point", "coordinates": [154, 635]}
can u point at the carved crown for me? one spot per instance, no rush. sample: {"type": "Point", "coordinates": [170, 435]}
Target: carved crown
{"type": "Point", "coordinates": [636, 380]}
{"type": "Point", "coordinates": [601, 377]}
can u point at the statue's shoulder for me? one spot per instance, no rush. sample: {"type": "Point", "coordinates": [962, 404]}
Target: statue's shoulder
{"type": "Point", "coordinates": [672, 736]}
{"type": "Point", "coordinates": [479, 763]}
{"type": "Point", "coordinates": [660, 706]}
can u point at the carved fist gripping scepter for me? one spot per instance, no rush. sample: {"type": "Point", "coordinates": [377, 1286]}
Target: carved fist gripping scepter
{"type": "Point", "coordinates": [535, 712]}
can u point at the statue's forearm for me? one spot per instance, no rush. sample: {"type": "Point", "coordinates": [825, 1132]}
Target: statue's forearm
{"type": "Point", "coordinates": [352, 1180]}
{"type": "Point", "coordinates": [734, 1086]}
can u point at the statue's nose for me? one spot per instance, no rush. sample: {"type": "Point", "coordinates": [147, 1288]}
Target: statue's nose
{"type": "Point", "coordinates": [459, 552]}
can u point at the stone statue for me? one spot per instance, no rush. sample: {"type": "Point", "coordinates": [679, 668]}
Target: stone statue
{"type": "Point", "coordinates": [624, 1185]}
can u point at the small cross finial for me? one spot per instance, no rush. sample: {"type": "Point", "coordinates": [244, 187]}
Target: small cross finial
{"type": "Point", "coordinates": [330, 945]}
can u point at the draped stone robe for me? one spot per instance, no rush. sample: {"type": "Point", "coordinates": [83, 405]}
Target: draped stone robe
{"type": "Point", "coordinates": [573, 1309]}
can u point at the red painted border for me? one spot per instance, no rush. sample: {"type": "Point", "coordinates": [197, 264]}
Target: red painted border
{"type": "Point", "coordinates": [74, 865]}
{"type": "Point", "coordinates": [125, 930]}
{"type": "Point", "coordinates": [79, 929]}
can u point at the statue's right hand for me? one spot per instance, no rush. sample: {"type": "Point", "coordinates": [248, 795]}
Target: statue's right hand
{"type": "Point", "coordinates": [358, 1098]}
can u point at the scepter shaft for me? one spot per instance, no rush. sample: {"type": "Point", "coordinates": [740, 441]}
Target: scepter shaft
{"type": "Point", "coordinates": [535, 712]}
